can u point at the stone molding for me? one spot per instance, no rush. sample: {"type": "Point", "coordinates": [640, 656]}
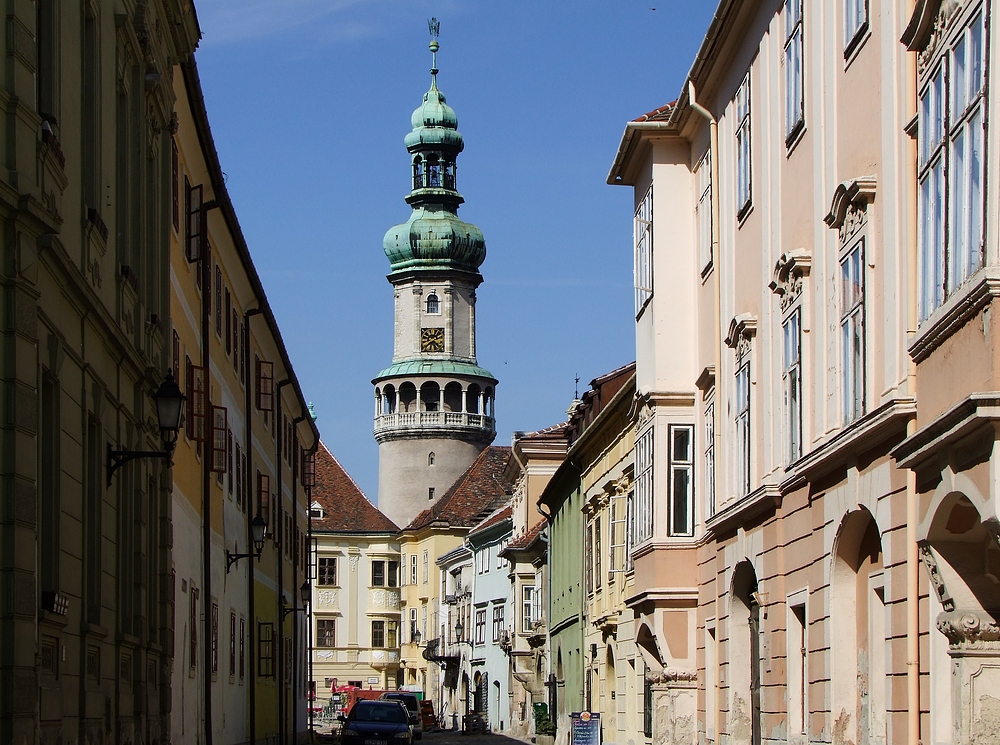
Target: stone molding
{"type": "Point", "coordinates": [670, 675]}
{"type": "Point", "coordinates": [970, 630]}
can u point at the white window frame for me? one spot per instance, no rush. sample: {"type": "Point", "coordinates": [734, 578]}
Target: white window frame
{"type": "Point", "coordinates": [413, 623]}
{"type": "Point", "coordinates": [791, 383]}
{"type": "Point", "coordinates": [704, 210]}
{"type": "Point", "coordinates": [855, 24]}
{"type": "Point", "coordinates": [742, 423]}
{"type": "Point", "coordinates": [643, 487]}
{"type": "Point", "coordinates": [643, 234]}
{"type": "Point", "coordinates": [499, 621]}
{"type": "Point", "coordinates": [794, 76]}
{"type": "Point", "coordinates": [853, 344]}
{"type": "Point", "coordinates": [413, 569]}
{"type": "Point", "coordinates": [480, 626]}
{"type": "Point", "coordinates": [681, 494]}
{"type": "Point", "coordinates": [426, 565]}
{"type": "Point", "coordinates": [951, 127]}
{"type": "Point", "coordinates": [710, 464]}
{"type": "Point", "coordinates": [743, 144]}
{"type": "Point", "coordinates": [527, 608]}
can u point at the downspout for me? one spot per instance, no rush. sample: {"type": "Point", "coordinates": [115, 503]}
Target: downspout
{"type": "Point", "coordinates": [713, 143]}
{"type": "Point", "coordinates": [310, 688]}
{"type": "Point", "coordinates": [279, 557]}
{"type": "Point", "coordinates": [251, 572]}
{"type": "Point", "coordinates": [206, 479]}
{"type": "Point", "coordinates": [295, 622]}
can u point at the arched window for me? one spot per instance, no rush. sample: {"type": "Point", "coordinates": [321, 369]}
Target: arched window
{"type": "Point", "coordinates": [418, 173]}
{"type": "Point", "coordinates": [430, 459]}
{"type": "Point", "coordinates": [433, 303]}
{"type": "Point", "coordinates": [433, 171]}
{"type": "Point", "coordinates": [449, 175]}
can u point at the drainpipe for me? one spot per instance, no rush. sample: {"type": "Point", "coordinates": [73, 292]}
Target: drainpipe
{"type": "Point", "coordinates": [295, 622]}
{"type": "Point", "coordinates": [251, 572]}
{"type": "Point", "coordinates": [206, 480]}
{"type": "Point", "coordinates": [280, 595]}
{"type": "Point", "coordinates": [713, 135]}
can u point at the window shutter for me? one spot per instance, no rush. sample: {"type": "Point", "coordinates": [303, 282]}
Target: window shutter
{"type": "Point", "coordinates": [235, 340]}
{"type": "Point", "coordinates": [197, 403]}
{"type": "Point", "coordinates": [229, 459]}
{"type": "Point", "coordinates": [195, 221]}
{"type": "Point", "coordinates": [218, 300]}
{"type": "Point", "coordinates": [263, 495]}
{"type": "Point", "coordinates": [308, 470]}
{"type": "Point", "coordinates": [265, 385]}
{"type": "Point", "coordinates": [218, 439]}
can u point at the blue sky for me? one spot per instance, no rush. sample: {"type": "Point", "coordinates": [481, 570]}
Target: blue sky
{"type": "Point", "coordinates": [309, 101]}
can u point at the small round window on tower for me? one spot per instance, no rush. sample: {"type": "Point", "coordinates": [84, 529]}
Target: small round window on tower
{"type": "Point", "coordinates": [430, 459]}
{"type": "Point", "coordinates": [433, 304]}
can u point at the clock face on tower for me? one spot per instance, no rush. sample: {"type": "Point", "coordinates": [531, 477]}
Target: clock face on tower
{"type": "Point", "coordinates": [432, 340]}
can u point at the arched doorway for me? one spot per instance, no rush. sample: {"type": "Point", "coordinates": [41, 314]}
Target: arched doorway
{"type": "Point", "coordinates": [744, 655]}
{"type": "Point", "coordinates": [857, 609]}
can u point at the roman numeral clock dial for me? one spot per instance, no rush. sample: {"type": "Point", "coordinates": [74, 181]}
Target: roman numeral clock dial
{"type": "Point", "coordinates": [432, 340]}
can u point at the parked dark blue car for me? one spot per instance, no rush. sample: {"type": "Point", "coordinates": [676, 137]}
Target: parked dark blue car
{"type": "Point", "coordinates": [377, 723]}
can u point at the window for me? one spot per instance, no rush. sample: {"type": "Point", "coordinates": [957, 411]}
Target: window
{"type": "Point", "coordinates": [218, 300]}
{"type": "Point", "coordinates": [643, 529]}
{"type": "Point", "coordinates": [855, 23]}
{"type": "Point", "coordinates": [430, 459]}
{"type": "Point", "coordinates": [433, 303]}
{"type": "Point", "coordinates": [791, 377]}
{"type": "Point", "coordinates": [378, 574]}
{"type": "Point", "coordinates": [527, 608]}
{"type": "Point", "coordinates": [681, 481]}
{"type": "Point", "coordinates": [629, 527]}
{"type": "Point", "coordinates": [234, 339]}
{"type": "Point", "coordinates": [413, 622]}
{"type": "Point", "coordinates": [794, 106]}
{"type": "Point", "coordinates": [743, 429]}
{"type": "Point", "coordinates": [264, 495]}
{"type": "Point", "coordinates": [643, 233]}
{"type": "Point", "coordinates": [242, 644]}
{"type": "Point", "coordinates": [218, 463]}
{"type": "Point", "coordinates": [232, 644]}
{"type": "Point", "coordinates": [952, 134]}
{"type": "Point", "coordinates": [265, 384]}
{"type": "Point", "coordinates": [743, 171]}
{"type": "Point", "coordinates": [195, 221]}
{"type": "Point", "coordinates": [647, 707]}
{"type": "Point", "coordinates": [197, 402]}
{"type": "Point", "coordinates": [327, 571]}
{"type": "Point", "coordinates": [480, 626]}
{"type": "Point", "coordinates": [378, 634]}
{"type": "Point", "coordinates": [192, 626]}
{"type": "Point", "coordinates": [588, 551]}
{"type": "Point", "coordinates": [229, 461]}
{"type": "Point", "coordinates": [392, 573]}
{"type": "Point", "coordinates": [229, 322]}
{"type": "Point", "coordinates": [500, 548]}
{"type": "Point", "coordinates": [426, 559]}
{"type": "Point", "coordinates": [430, 493]}
{"type": "Point", "coordinates": [852, 332]}
{"type": "Point", "coordinates": [413, 569]}
{"type": "Point", "coordinates": [423, 619]}
{"type": "Point", "coordinates": [498, 622]}
{"type": "Point", "coordinates": [798, 675]}
{"type": "Point", "coordinates": [704, 210]}
{"type": "Point", "coordinates": [710, 455]}
{"type": "Point", "coordinates": [598, 552]}
{"type": "Point", "coordinates": [326, 632]}
{"type": "Point", "coordinates": [316, 511]}
{"type": "Point", "coordinates": [215, 639]}
{"type": "Point", "coordinates": [265, 649]}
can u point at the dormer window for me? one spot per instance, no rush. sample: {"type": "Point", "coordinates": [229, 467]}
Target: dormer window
{"type": "Point", "coordinates": [418, 173]}
{"type": "Point", "coordinates": [433, 303]}
{"type": "Point", "coordinates": [316, 510]}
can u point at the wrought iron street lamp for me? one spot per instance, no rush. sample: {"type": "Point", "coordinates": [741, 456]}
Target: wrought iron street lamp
{"type": "Point", "coordinates": [169, 403]}
{"type": "Point", "coordinates": [257, 529]}
{"type": "Point", "coordinates": [305, 593]}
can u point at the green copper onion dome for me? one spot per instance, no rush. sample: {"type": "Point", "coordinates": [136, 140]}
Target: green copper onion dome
{"type": "Point", "coordinates": [434, 237]}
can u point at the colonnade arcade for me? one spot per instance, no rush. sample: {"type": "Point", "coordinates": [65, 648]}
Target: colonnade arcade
{"type": "Point", "coordinates": [432, 396]}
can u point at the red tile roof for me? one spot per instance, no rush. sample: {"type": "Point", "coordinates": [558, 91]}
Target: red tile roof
{"type": "Point", "coordinates": [477, 492]}
{"type": "Point", "coordinates": [528, 537]}
{"type": "Point", "coordinates": [497, 517]}
{"type": "Point", "coordinates": [345, 506]}
{"type": "Point", "coordinates": [657, 115]}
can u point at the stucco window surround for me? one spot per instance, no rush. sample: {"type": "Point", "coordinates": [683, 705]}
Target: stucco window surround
{"type": "Point", "coordinates": [787, 283]}
{"type": "Point", "coordinates": [849, 215]}
{"type": "Point", "coordinates": [742, 330]}
{"type": "Point", "coordinates": [952, 132]}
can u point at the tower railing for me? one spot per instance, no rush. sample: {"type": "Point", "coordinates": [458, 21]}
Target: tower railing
{"type": "Point", "coordinates": [430, 420]}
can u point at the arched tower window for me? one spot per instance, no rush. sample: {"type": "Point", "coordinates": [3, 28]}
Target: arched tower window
{"type": "Point", "coordinates": [433, 171]}
{"type": "Point", "coordinates": [430, 459]}
{"type": "Point", "coordinates": [433, 303]}
{"type": "Point", "coordinates": [449, 175]}
{"type": "Point", "coordinates": [418, 172]}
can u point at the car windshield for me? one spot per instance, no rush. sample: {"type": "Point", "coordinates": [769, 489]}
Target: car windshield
{"type": "Point", "coordinates": [410, 702]}
{"type": "Point", "coordinates": [387, 712]}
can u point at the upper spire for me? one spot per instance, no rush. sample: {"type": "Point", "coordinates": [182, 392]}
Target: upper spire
{"type": "Point", "coordinates": [434, 26]}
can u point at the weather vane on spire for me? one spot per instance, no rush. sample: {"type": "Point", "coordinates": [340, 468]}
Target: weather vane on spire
{"type": "Point", "coordinates": [434, 26]}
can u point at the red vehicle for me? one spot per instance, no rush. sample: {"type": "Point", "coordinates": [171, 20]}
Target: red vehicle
{"type": "Point", "coordinates": [350, 695]}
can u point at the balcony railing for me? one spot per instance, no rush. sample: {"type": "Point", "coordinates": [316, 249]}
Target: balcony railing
{"type": "Point", "coordinates": [431, 420]}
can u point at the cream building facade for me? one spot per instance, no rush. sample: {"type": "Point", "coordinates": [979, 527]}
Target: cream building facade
{"type": "Point", "coordinates": [356, 602]}
{"type": "Point", "coordinates": [815, 237]}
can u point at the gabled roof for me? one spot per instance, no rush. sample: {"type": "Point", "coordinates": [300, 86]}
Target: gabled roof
{"type": "Point", "coordinates": [527, 538]}
{"type": "Point", "coordinates": [346, 509]}
{"type": "Point", "coordinates": [477, 493]}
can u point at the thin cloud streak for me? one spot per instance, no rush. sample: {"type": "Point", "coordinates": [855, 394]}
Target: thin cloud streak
{"type": "Point", "coordinates": [227, 21]}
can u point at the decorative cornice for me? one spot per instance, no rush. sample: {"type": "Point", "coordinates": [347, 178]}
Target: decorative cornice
{"type": "Point", "coordinates": [860, 190]}
{"type": "Point", "coordinates": [672, 675]}
{"type": "Point", "coordinates": [789, 270]}
{"type": "Point", "coordinates": [975, 295]}
{"type": "Point", "coordinates": [742, 328]}
{"type": "Point", "coordinates": [917, 34]}
{"type": "Point", "coordinates": [970, 630]}
{"type": "Point", "coordinates": [961, 420]}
